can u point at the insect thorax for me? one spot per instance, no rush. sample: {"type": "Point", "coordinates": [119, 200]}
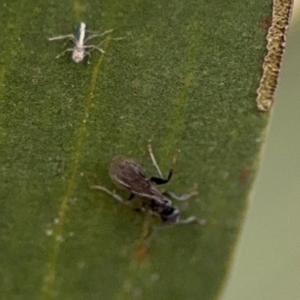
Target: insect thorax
{"type": "Point", "coordinates": [167, 212]}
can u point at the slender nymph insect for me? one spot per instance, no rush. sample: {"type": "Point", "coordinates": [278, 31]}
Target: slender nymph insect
{"type": "Point", "coordinates": [79, 51]}
{"type": "Point", "coordinates": [128, 174]}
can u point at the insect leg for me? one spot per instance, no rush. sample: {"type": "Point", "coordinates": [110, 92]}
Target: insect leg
{"type": "Point", "coordinates": [119, 38]}
{"type": "Point", "coordinates": [187, 220]}
{"type": "Point", "coordinates": [68, 40]}
{"type": "Point", "coordinates": [62, 37]}
{"type": "Point", "coordinates": [93, 47]}
{"type": "Point", "coordinates": [98, 34]}
{"type": "Point", "coordinates": [183, 197]}
{"type": "Point", "coordinates": [87, 53]}
{"type": "Point", "coordinates": [111, 193]}
{"type": "Point", "coordinates": [192, 219]}
{"type": "Point", "coordinates": [67, 50]}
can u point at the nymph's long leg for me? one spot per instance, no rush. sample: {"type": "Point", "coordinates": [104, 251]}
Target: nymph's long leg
{"type": "Point", "coordinates": [93, 47]}
{"type": "Point", "coordinates": [98, 34]}
{"type": "Point", "coordinates": [62, 37]}
{"type": "Point", "coordinates": [67, 50]}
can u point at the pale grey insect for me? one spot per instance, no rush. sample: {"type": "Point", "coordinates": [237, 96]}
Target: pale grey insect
{"type": "Point", "coordinates": [79, 51]}
{"type": "Point", "coordinates": [128, 174]}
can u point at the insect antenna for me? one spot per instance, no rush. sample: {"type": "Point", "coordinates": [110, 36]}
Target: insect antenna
{"type": "Point", "coordinates": [160, 180]}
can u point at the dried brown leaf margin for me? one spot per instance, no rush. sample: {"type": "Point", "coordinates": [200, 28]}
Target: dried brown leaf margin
{"type": "Point", "coordinates": [275, 47]}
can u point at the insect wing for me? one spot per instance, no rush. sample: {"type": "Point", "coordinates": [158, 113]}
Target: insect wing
{"type": "Point", "coordinates": [126, 173]}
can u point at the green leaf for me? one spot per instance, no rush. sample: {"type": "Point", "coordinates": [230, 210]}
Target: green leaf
{"type": "Point", "coordinates": [184, 77]}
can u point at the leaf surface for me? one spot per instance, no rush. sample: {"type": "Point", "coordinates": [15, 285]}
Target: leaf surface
{"type": "Point", "coordinates": [185, 77]}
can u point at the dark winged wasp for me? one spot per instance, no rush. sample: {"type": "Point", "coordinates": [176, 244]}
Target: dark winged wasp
{"type": "Point", "coordinates": [128, 174]}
